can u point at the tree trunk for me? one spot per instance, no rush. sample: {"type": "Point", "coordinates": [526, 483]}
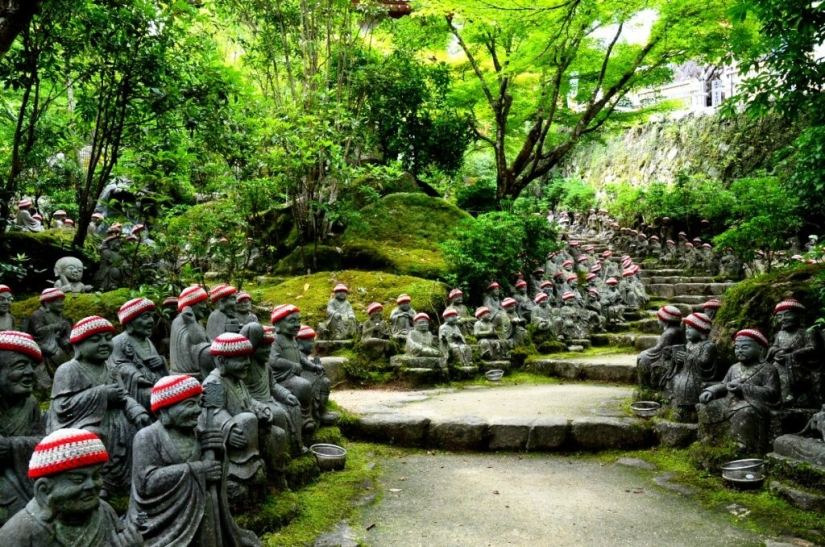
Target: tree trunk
{"type": "Point", "coordinates": [15, 16]}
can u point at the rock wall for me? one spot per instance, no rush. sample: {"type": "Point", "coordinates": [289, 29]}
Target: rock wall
{"type": "Point", "coordinates": [720, 148]}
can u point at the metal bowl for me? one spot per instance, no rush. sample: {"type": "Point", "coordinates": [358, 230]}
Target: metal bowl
{"type": "Point", "coordinates": [645, 409]}
{"type": "Point", "coordinates": [744, 474]}
{"type": "Point", "coordinates": [330, 457]}
{"type": "Point", "coordinates": [494, 375]}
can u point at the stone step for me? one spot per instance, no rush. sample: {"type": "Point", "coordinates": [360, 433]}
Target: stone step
{"type": "Point", "coordinates": [610, 368]}
{"type": "Point", "coordinates": [645, 341]}
{"type": "Point", "coordinates": [661, 272]}
{"type": "Point", "coordinates": [692, 289]}
{"type": "Point", "coordinates": [657, 280]}
{"type": "Point", "coordinates": [692, 299]}
{"type": "Point", "coordinates": [617, 340]}
{"type": "Point", "coordinates": [648, 326]}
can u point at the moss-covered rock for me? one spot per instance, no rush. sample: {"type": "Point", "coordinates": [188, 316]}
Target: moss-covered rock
{"type": "Point", "coordinates": [79, 306]}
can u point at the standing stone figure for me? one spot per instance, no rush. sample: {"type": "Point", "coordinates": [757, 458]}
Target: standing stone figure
{"type": "Point", "coordinates": [134, 355]}
{"type": "Point", "coordinates": [21, 426]}
{"type": "Point", "coordinates": [492, 299]}
{"type": "Point", "coordinates": [452, 341]}
{"type": "Point", "coordinates": [69, 273]}
{"type": "Point", "coordinates": [243, 309]}
{"type": "Point", "coordinates": [340, 323]}
{"type": "Point", "coordinates": [691, 366]}
{"type": "Point", "coordinates": [375, 331]}
{"type": "Point", "coordinates": [222, 319]}
{"type": "Point", "coordinates": [24, 220]}
{"type": "Point", "coordinates": [465, 319]}
{"type": "Point", "coordinates": [51, 329]}
{"type": "Point", "coordinates": [109, 275]}
{"type": "Point", "coordinates": [321, 385]}
{"type": "Point", "coordinates": [542, 316]}
{"type": "Point", "coordinates": [189, 344]}
{"type": "Point", "coordinates": [66, 468]}
{"type": "Point", "coordinates": [89, 394]}
{"type": "Point", "coordinates": [738, 409]}
{"type": "Point", "coordinates": [650, 364]}
{"type": "Point", "coordinates": [6, 318]}
{"type": "Point", "coordinates": [401, 318]}
{"type": "Point", "coordinates": [796, 354]}
{"type": "Point", "coordinates": [178, 476]}
{"type": "Point", "coordinates": [524, 303]}
{"type": "Point", "coordinates": [511, 324]}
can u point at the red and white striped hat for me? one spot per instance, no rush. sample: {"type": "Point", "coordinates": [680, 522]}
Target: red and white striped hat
{"type": "Point", "coordinates": [493, 285]}
{"type": "Point", "coordinates": [24, 203]}
{"type": "Point", "coordinates": [306, 333]}
{"type": "Point", "coordinates": [269, 335]}
{"type": "Point", "coordinates": [191, 296]}
{"type": "Point", "coordinates": [636, 268]}
{"type": "Point", "coordinates": [421, 316]}
{"type": "Point", "coordinates": [170, 302]}
{"type": "Point", "coordinates": [545, 284]}
{"type": "Point", "coordinates": [607, 254]}
{"type": "Point", "coordinates": [134, 308]}
{"type": "Point", "coordinates": [574, 243]}
{"type": "Point", "coordinates": [230, 344]}
{"type": "Point", "coordinates": [566, 263]}
{"type": "Point", "coordinates": [68, 222]}
{"type": "Point", "coordinates": [282, 311]}
{"type": "Point", "coordinates": [539, 271]}
{"type": "Point", "coordinates": [559, 274]}
{"type": "Point", "coordinates": [402, 298]}
{"type": "Point", "coordinates": [612, 281]}
{"type": "Point", "coordinates": [59, 213]}
{"type": "Point", "coordinates": [221, 291]}
{"type": "Point", "coordinates": [64, 450]}
{"type": "Point", "coordinates": [699, 321]}
{"type": "Point", "coordinates": [449, 312]}
{"type": "Point", "coordinates": [628, 272]}
{"type": "Point", "coordinates": [594, 292]}
{"type": "Point", "coordinates": [540, 297]}
{"type": "Point", "coordinates": [97, 216]}
{"type": "Point", "coordinates": [481, 311]}
{"type": "Point", "coordinates": [669, 313]}
{"type": "Point", "coordinates": [508, 302]}
{"type": "Point", "coordinates": [706, 245]}
{"type": "Point", "coordinates": [789, 304]}
{"type": "Point", "coordinates": [37, 216]}
{"type": "Point", "coordinates": [583, 259]}
{"type": "Point", "coordinates": [654, 238]}
{"type": "Point", "coordinates": [137, 228]}
{"type": "Point", "coordinates": [5, 288]}
{"type": "Point", "coordinates": [51, 294]}
{"type": "Point", "coordinates": [642, 236]}
{"type": "Point", "coordinates": [753, 334]}
{"type": "Point", "coordinates": [244, 296]}
{"type": "Point", "coordinates": [341, 287]}
{"type": "Point", "coordinates": [568, 296]}
{"type": "Point", "coordinates": [596, 268]}
{"type": "Point", "coordinates": [591, 277]}
{"type": "Point", "coordinates": [455, 293]}
{"type": "Point", "coordinates": [374, 307]}
{"type": "Point", "coordinates": [171, 390]}
{"type": "Point", "coordinates": [132, 237]}
{"type": "Point", "coordinates": [521, 284]}
{"type": "Point", "coordinates": [572, 277]}
{"type": "Point", "coordinates": [712, 304]}
{"type": "Point", "coordinates": [689, 245]}
{"type": "Point", "coordinates": [20, 342]}
{"type": "Point", "coordinates": [670, 242]}
{"type": "Point", "coordinates": [588, 248]}
{"type": "Point", "coordinates": [89, 327]}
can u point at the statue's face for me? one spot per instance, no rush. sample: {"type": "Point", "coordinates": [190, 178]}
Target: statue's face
{"type": "Point", "coordinates": [694, 335]}
{"type": "Point", "coordinates": [543, 304]}
{"type": "Point", "coordinates": [422, 326]}
{"type": "Point", "coordinates": [376, 316]}
{"type": "Point", "coordinates": [404, 306]}
{"type": "Point", "coordinates": [451, 319]}
{"type": "Point", "coordinates": [56, 306]}
{"type": "Point", "coordinates": [200, 309]}
{"type": "Point", "coordinates": [548, 291]}
{"type": "Point", "coordinates": [16, 374]}
{"type": "Point", "coordinates": [5, 303]}
{"type": "Point", "coordinates": [522, 290]}
{"type": "Point", "coordinates": [494, 292]}
{"type": "Point", "coordinates": [243, 307]}
{"type": "Point", "coordinates": [184, 415]}
{"type": "Point", "coordinates": [228, 304]}
{"type": "Point", "coordinates": [141, 326]}
{"type": "Point", "coordinates": [458, 300]}
{"type": "Point", "coordinates": [74, 493]}
{"type": "Point", "coordinates": [747, 350]}
{"type": "Point", "coordinates": [234, 367]}
{"type": "Point", "coordinates": [485, 318]}
{"type": "Point", "coordinates": [306, 345]}
{"type": "Point", "coordinates": [262, 352]}
{"type": "Point", "coordinates": [788, 319]}
{"type": "Point", "coordinates": [74, 272]}
{"type": "Point", "coordinates": [289, 325]}
{"type": "Point", "coordinates": [96, 348]}
{"type": "Point", "coordinates": [569, 302]}
{"type": "Point", "coordinates": [341, 295]}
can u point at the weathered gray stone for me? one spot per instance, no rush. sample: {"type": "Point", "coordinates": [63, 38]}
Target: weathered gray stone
{"type": "Point", "coordinates": [799, 448]}
{"type": "Point", "coordinates": [674, 434]}
{"type": "Point", "coordinates": [645, 341]}
{"type": "Point", "coordinates": [665, 480]}
{"type": "Point", "coordinates": [341, 536]}
{"type": "Point", "coordinates": [548, 434]}
{"type": "Point", "coordinates": [610, 433]}
{"type": "Point", "coordinates": [798, 498]}
{"type": "Point", "coordinates": [460, 433]}
{"type": "Point", "coordinates": [408, 361]}
{"type": "Point", "coordinates": [508, 434]}
{"type": "Point", "coordinates": [334, 367]}
{"type": "Point", "coordinates": [636, 462]}
{"type": "Point", "coordinates": [399, 429]}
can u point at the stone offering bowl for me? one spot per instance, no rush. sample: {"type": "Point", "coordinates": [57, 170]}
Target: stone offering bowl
{"type": "Point", "coordinates": [330, 457]}
{"type": "Point", "coordinates": [645, 409]}
{"type": "Point", "coordinates": [744, 474]}
{"type": "Point", "coordinates": [494, 375]}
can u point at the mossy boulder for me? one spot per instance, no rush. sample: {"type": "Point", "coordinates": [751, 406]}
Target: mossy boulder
{"type": "Point", "coordinates": [42, 250]}
{"type": "Point", "coordinates": [403, 232]}
{"type": "Point", "coordinates": [79, 306]}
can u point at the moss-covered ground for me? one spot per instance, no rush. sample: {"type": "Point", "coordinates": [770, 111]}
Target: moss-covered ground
{"type": "Point", "coordinates": [79, 306]}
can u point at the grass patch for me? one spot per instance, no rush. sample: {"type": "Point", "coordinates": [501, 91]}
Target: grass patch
{"type": "Point", "coordinates": [512, 379]}
{"type": "Point", "coordinates": [79, 306]}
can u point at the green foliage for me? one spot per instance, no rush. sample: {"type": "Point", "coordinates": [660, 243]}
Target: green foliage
{"type": "Point", "coordinates": [477, 198]}
{"type": "Point", "coordinates": [495, 245]}
{"type": "Point", "coordinates": [806, 177]}
{"type": "Point", "coordinates": [570, 194]}
{"type": "Point", "coordinates": [79, 306]}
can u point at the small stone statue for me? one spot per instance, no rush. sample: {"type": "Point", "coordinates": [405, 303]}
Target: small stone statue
{"type": "Point", "coordinates": [465, 319]}
{"type": "Point", "coordinates": [691, 366]}
{"type": "Point", "coordinates": [243, 309]}
{"type": "Point", "coordinates": [89, 394]}
{"type": "Point", "coordinates": [178, 477]}
{"type": "Point", "coordinates": [738, 409]}
{"type": "Point", "coordinates": [340, 323]}
{"type": "Point", "coordinates": [650, 364]}
{"type": "Point", "coordinates": [134, 355]}
{"type": "Point", "coordinates": [51, 329]}
{"type": "Point", "coordinates": [189, 344]}
{"type": "Point", "coordinates": [574, 325]}
{"type": "Point", "coordinates": [321, 385]}
{"type": "Point", "coordinates": [796, 354]}
{"type": "Point", "coordinates": [711, 307]}
{"type": "Point", "coordinates": [542, 316]}
{"type": "Point", "coordinates": [612, 304]}
{"type": "Point", "coordinates": [109, 275]}
{"type": "Point", "coordinates": [401, 318]}
{"type": "Point", "coordinates": [511, 324]}
{"type": "Point", "coordinates": [6, 318]}
{"type": "Point", "coordinates": [492, 347]}
{"type": "Point", "coordinates": [422, 343]}
{"type": "Point", "coordinates": [452, 341]}
{"type": "Point", "coordinates": [375, 331]}
{"type": "Point", "coordinates": [21, 426]}
{"type": "Point", "coordinates": [492, 299]}
{"type": "Point", "coordinates": [69, 273]}
{"type": "Point", "coordinates": [816, 426]}
{"type": "Point", "coordinates": [66, 468]}
{"type": "Point", "coordinates": [24, 220]}
{"type": "Point", "coordinates": [523, 301]}
{"type": "Point", "coordinates": [222, 319]}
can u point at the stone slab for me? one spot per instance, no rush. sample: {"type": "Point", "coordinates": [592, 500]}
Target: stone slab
{"type": "Point", "coordinates": [548, 434]}
{"type": "Point", "coordinates": [508, 434]}
{"type": "Point", "coordinates": [645, 341]}
{"type": "Point", "coordinates": [398, 429]}
{"type": "Point", "coordinates": [810, 451]}
{"type": "Point", "coordinates": [457, 433]}
{"type": "Point", "coordinates": [675, 434]}
{"type": "Point", "coordinates": [334, 367]}
{"type": "Point", "coordinates": [612, 368]}
{"type": "Point", "coordinates": [609, 433]}
{"type": "Point", "coordinates": [798, 498]}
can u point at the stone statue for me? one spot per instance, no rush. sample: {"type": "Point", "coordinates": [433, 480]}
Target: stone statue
{"type": "Point", "coordinates": [691, 366]}
{"type": "Point", "coordinates": [51, 329]}
{"type": "Point", "coordinates": [21, 426]}
{"type": "Point", "coordinates": [6, 318]}
{"type": "Point", "coordinates": [134, 355]}
{"type": "Point", "coordinates": [69, 273]}
{"type": "Point", "coordinates": [511, 324]}
{"type": "Point", "coordinates": [24, 220]}
{"type": "Point", "coordinates": [178, 476]}
{"type": "Point", "coordinates": [422, 343]}
{"type": "Point", "coordinates": [340, 323]}
{"type": "Point", "coordinates": [465, 319]}
{"type": "Point", "coordinates": [452, 341]}
{"type": "Point", "coordinates": [492, 347]}
{"type": "Point", "coordinates": [612, 304]}
{"type": "Point", "coordinates": [88, 393]}
{"type": "Point", "coordinates": [492, 299]}
{"type": "Point", "coordinates": [109, 275]}
{"type": "Point", "coordinates": [810, 246]}
{"type": "Point", "coordinates": [375, 331]}
{"type": "Point", "coordinates": [321, 385]}
{"type": "Point", "coordinates": [796, 354]}
{"type": "Point", "coordinates": [711, 307]}
{"type": "Point", "coordinates": [245, 423]}
{"type": "Point", "coordinates": [288, 363]}
{"type": "Point", "coordinates": [738, 409]}
{"type": "Point", "coordinates": [243, 309]}
{"type": "Point", "coordinates": [401, 318]}
{"type": "Point", "coordinates": [574, 326]}
{"type": "Point", "coordinates": [816, 426]}
{"type": "Point", "coordinates": [222, 319]}
{"type": "Point", "coordinates": [542, 316]}
{"type": "Point", "coordinates": [66, 468]}
{"type": "Point", "coordinates": [189, 345]}
{"type": "Point", "coordinates": [650, 364]}
{"type": "Point", "coordinates": [95, 224]}
{"type": "Point", "coordinates": [524, 303]}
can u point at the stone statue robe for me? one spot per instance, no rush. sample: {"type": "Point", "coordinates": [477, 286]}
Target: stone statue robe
{"type": "Point", "coordinates": [340, 324]}
{"type": "Point", "coordinates": [543, 318]}
{"type": "Point", "coordinates": [288, 364]}
{"type": "Point", "coordinates": [51, 332]}
{"type": "Point", "coordinates": [492, 348]}
{"type": "Point", "coordinates": [421, 344]}
{"type": "Point", "coordinates": [372, 330]}
{"type": "Point", "coordinates": [687, 378]}
{"type": "Point", "coordinates": [246, 318]}
{"type": "Point", "coordinates": [179, 506]}
{"type": "Point", "coordinates": [79, 401]}
{"type": "Point", "coordinates": [401, 322]}
{"type": "Point", "coordinates": [525, 305]}
{"type": "Point", "coordinates": [130, 357]}
{"type": "Point", "coordinates": [22, 427]}
{"type": "Point", "coordinates": [6, 322]}
{"type": "Point", "coordinates": [574, 325]}
{"type": "Point", "coordinates": [801, 372]}
{"type": "Point", "coordinates": [650, 364]}
{"type": "Point", "coordinates": [260, 381]}
{"type": "Point", "coordinates": [26, 222]}
{"type": "Point", "coordinates": [34, 527]}
{"type": "Point", "coordinates": [452, 344]}
{"type": "Point", "coordinates": [220, 323]}
{"type": "Point", "coordinates": [189, 350]}
{"type": "Point", "coordinates": [493, 303]}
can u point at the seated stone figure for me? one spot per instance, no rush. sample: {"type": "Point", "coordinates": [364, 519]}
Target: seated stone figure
{"type": "Point", "coordinates": [691, 367]}
{"type": "Point", "coordinates": [189, 345]}
{"type": "Point", "coordinates": [245, 423]}
{"type": "Point", "coordinates": [401, 318]}
{"type": "Point", "coordinates": [452, 341]}
{"type": "Point", "coordinates": [243, 309]}
{"type": "Point", "coordinates": [797, 355]}
{"type": "Point", "coordinates": [542, 315]}
{"type": "Point", "coordinates": [651, 365]}
{"type": "Point", "coordinates": [134, 355]}
{"type": "Point", "coordinates": [288, 363]}
{"type": "Point", "coordinates": [178, 476]}
{"type": "Point", "coordinates": [21, 426]}
{"type": "Point", "coordinates": [510, 324]}
{"type": "Point", "coordinates": [222, 319]}
{"type": "Point", "coordinates": [465, 319]}
{"type": "Point", "coordinates": [50, 329]}
{"type": "Point", "coordinates": [66, 468]}
{"type": "Point", "coordinates": [375, 331]}
{"type": "Point", "coordinates": [25, 221]}
{"type": "Point", "coordinates": [108, 276]}
{"type": "Point", "coordinates": [69, 273]}
{"type": "Point", "coordinates": [6, 318]}
{"type": "Point", "coordinates": [340, 323]}
{"type": "Point", "coordinates": [422, 343]}
{"type": "Point", "coordinates": [738, 409]}
{"type": "Point", "coordinates": [320, 383]}
{"type": "Point", "coordinates": [524, 303]}
{"type": "Point", "coordinates": [88, 393]}
{"type": "Point", "coordinates": [492, 299]}
{"type": "Point", "coordinates": [711, 307]}
{"type": "Point", "coordinates": [492, 347]}
{"type": "Point", "coordinates": [574, 324]}
{"type": "Point", "coordinates": [630, 298]}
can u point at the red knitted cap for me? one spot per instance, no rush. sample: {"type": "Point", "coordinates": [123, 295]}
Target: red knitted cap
{"type": "Point", "coordinates": [231, 345]}
{"type": "Point", "coordinates": [89, 327]}
{"type": "Point", "coordinates": [20, 342]}
{"type": "Point", "coordinates": [170, 390]}
{"type": "Point", "coordinates": [282, 311]}
{"type": "Point", "coordinates": [133, 309]}
{"type": "Point", "coordinates": [64, 450]}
